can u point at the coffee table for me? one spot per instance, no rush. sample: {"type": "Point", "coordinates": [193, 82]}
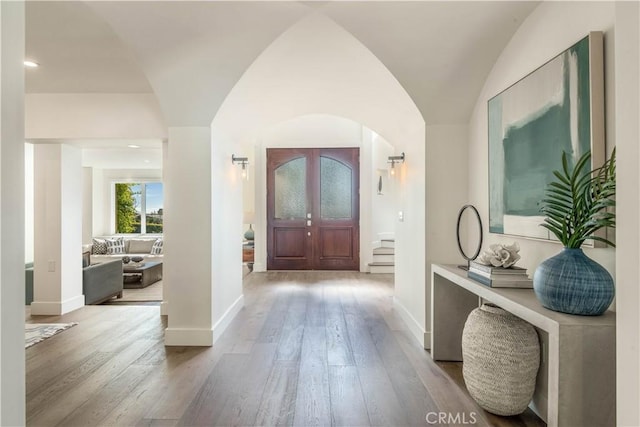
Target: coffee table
{"type": "Point", "coordinates": [140, 276]}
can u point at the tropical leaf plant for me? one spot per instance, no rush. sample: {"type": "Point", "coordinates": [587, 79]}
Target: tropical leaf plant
{"type": "Point", "coordinates": [580, 201]}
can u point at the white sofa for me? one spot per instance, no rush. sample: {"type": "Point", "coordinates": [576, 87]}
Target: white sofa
{"type": "Point", "coordinates": [137, 245]}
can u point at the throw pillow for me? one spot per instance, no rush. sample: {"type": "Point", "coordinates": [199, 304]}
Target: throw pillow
{"type": "Point", "coordinates": [156, 249]}
{"type": "Point", "coordinates": [115, 246]}
{"type": "Point", "coordinates": [140, 246]}
{"type": "Point", "coordinates": [99, 247]}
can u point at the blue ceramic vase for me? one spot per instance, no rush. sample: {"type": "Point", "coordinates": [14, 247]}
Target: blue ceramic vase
{"type": "Point", "coordinates": [573, 283]}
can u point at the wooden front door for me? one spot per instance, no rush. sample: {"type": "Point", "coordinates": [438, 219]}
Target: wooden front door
{"type": "Point", "coordinates": [313, 209]}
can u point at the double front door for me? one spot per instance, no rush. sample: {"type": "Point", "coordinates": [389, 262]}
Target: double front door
{"type": "Point", "coordinates": [313, 209]}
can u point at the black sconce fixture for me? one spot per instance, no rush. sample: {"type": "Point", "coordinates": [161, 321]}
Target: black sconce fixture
{"type": "Point", "coordinates": [244, 162]}
{"type": "Point", "coordinates": [393, 160]}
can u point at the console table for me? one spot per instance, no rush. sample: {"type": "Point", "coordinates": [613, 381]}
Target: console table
{"type": "Point", "coordinates": [576, 381]}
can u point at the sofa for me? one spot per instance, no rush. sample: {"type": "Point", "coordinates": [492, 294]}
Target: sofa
{"type": "Point", "coordinates": [28, 282]}
{"type": "Point", "coordinates": [102, 281]}
{"type": "Point", "coordinates": [149, 248]}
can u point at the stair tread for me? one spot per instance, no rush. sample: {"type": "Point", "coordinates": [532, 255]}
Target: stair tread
{"type": "Point", "coordinates": [381, 264]}
{"type": "Point", "coordinates": [384, 251]}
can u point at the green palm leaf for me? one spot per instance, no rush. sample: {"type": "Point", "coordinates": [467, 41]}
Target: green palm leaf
{"type": "Point", "coordinates": [580, 202]}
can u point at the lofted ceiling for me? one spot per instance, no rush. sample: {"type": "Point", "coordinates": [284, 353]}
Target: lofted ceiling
{"type": "Point", "coordinates": [191, 54]}
{"type": "Point", "coordinates": [78, 52]}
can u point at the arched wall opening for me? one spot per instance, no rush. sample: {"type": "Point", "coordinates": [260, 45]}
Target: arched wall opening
{"type": "Point", "coordinates": [377, 208]}
{"type": "Point", "coordinates": [317, 68]}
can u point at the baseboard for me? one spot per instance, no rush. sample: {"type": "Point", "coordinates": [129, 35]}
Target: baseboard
{"type": "Point", "coordinates": [190, 337]}
{"type": "Point", "coordinates": [414, 327]}
{"type": "Point", "coordinates": [164, 308]}
{"type": "Point", "coordinates": [199, 337]}
{"type": "Point", "coordinates": [222, 324]}
{"type": "Point", "coordinates": [427, 340]}
{"type": "Point", "coordinates": [56, 308]}
{"type": "Point", "coordinates": [259, 267]}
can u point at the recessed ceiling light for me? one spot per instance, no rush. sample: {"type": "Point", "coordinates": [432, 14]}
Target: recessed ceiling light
{"type": "Point", "coordinates": [133, 146]}
{"type": "Point", "coordinates": [31, 64]}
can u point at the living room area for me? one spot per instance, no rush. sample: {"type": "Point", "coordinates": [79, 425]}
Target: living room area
{"type": "Point", "coordinates": [121, 200]}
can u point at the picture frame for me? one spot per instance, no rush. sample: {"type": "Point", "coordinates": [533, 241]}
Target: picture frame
{"type": "Point", "coordinates": [557, 107]}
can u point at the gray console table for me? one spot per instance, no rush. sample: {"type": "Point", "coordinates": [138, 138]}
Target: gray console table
{"type": "Point", "coordinates": [576, 381]}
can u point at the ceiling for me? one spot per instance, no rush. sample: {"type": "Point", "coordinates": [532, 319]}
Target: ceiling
{"type": "Point", "coordinates": [440, 52]}
{"type": "Point", "coordinates": [78, 52]}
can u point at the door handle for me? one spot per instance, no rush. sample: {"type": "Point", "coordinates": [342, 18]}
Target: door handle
{"type": "Point", "coordinates": [308, 233]}
{"type": "Point", "coordinates": [308, 223]}
{"type": "Point", "coordinates": [309, 216]}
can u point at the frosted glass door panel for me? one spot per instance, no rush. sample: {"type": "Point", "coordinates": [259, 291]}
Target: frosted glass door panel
{"type": "Point", "coordinates": [291, 189]}
{"type": "Point", "coordinates": [335, 189]}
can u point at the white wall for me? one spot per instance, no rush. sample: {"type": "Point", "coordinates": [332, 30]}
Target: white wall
{"type": "Point", "coordinates": [187, 235]}
{"type": "Point", "coordinates": [12, 360]}
{"type": "Point", "coordinates": [87, 205]}
{"type": "Point", "coordinates": [57, 275]}
{"type": "Point", "coordinates": [28, 202]}
{"type": "Point", "coordinates": [316, 67]}
{"type": "Point", "coordinates": [551, 28]}
{"type": "Point", "coordinates": [96, 115]}
{"type": "Point", "coordinates": [226, 233]}
{"type": "Point", "coordinates": [627, 91]}
{"type": "Point", "coordinates": [383, 206]}
{"type": "Point", "coordinates": [104, 196]}
{"type": "Point", "coordinates": [447, 178]}
{"type": "Point", "coordinates": [125, 158]}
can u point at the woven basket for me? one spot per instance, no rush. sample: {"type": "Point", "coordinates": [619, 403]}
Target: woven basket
{"type": "Point", "coordinates": [501, 355]}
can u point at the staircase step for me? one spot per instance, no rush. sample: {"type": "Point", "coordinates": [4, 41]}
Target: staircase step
{"type": "Point", "coordinates": [388, 243]}
{"type": "Point", "coordinates": [384, 251]}
{"type": "Point", "coordinates": [381, 267]}
{"type": "Point", "coordinates": [383, 258]}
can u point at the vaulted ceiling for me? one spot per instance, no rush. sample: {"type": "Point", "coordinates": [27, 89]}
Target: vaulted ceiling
{"type": "Point", "coordinates": [193, 53]}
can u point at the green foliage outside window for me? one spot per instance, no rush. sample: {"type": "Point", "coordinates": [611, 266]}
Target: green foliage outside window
{"type": "Point", "coordinates": [127, 218]}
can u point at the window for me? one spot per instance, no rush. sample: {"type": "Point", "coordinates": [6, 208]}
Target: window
{"type": "Point", "coordinates": [138, 207]}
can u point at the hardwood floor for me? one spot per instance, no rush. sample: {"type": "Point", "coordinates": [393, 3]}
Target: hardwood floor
{"type": "Point", "coordinates": [150, 293]}
{"type": "Point", "coordinates": [308, 349]}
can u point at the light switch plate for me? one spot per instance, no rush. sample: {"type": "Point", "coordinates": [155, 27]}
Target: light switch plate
{"type": "Point", "coordinates": [401, 216]}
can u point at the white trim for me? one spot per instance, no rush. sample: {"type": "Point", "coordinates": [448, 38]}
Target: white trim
{"type": "Point", "coordinates": [199, 337]}
{"type": "Point", "coordinates": [164, 308]}
{"type": "Point", "coordinates": [56, 308]}
{"type": "Point", "coordinates": [414, 327]}
{"type": "Point", "coordinates": [259, 267]}
{"type": "Point", "coordinates": [222, 324]}
{"type": "Point", "coordinates": [427, 340]}
{"type": "Point", "coordinates": [376, 244]}
{"type": "Point", "coordinates": [194, 337]}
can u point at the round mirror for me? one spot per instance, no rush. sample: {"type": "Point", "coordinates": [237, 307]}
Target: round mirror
{"type": "Point", "coordinates": [469, 225]}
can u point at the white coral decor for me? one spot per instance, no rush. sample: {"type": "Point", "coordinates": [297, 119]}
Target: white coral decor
{"type": "Point", "coordinates": [499, 255]}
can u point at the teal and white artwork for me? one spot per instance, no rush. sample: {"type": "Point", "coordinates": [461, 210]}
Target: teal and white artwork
{"type": "Point", "coordinates": [530, 124]}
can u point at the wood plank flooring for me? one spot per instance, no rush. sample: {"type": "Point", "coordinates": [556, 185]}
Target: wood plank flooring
{"type": "Point", "coordinates": [308, 349]}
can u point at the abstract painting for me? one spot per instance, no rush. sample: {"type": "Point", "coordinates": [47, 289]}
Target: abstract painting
{"type": "Point", "coordinates": [558, 107]}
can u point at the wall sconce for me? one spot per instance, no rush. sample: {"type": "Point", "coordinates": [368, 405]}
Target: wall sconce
{"type": "Point", "coordinates": [393, 160]}
{"type": "Point", "coordinates": [244, 161]}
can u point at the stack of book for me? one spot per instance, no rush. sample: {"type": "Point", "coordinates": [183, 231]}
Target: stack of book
{"type": "Point", "coordinates": [499, 277]}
